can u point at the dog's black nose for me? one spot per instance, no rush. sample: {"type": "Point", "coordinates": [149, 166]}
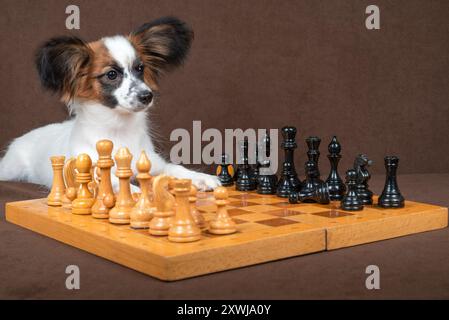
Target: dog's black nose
{"type": "Point", "coordinates": [145, 97]}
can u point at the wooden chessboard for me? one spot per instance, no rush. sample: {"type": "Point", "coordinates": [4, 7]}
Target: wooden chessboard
{"type": "Point", "coordinates": [269, 228]}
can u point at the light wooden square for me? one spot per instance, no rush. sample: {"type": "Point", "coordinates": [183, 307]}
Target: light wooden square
{"type": "Point", "coordinates": [309, 209]}
{"type": "Point", "coordinates": [259, 208]}
{"type": "Point", "coordinates": [255, 216]}
{"type": "Point", "coordinates": [267, 200]}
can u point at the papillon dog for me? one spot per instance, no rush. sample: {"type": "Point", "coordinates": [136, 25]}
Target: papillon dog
{"type": "Point", "coordinates": [108, 85]}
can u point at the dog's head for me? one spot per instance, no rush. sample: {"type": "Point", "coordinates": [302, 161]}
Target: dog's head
{"type": "Point", "coordinates": [120, 72]}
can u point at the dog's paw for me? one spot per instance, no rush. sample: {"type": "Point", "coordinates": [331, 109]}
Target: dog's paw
{"type": "Point", "coordinates": [205, 182]}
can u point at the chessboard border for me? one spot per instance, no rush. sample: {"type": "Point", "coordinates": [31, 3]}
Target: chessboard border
{"type": "Point", "coordinates": [390, 227]}
{"type": "Point", "coordinates": [173, 261]}
{"type": "Point", "coordinates": [250, 249]}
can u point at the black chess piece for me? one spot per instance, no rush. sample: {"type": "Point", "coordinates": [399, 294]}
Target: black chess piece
{"type": "Point", "coordinates": [319, 194]}
{"type": "Point", "coordinates": [285, 186]}
{"type": "Point", "coordinates": [267, 181]}
{"type": "Point", "coordinates": [240, 161]}
{"type": "Point", "coordinates": [267, 184]}
{"type": "Point", "coordinates": [256, 167]}
{"type": "Point", "coordinates": [237, 167]}
{"type": "Point", "coordinates": [351, 200]}
{"type": "Point", "coordinates": [244, 180]}
{"type": "Point", "coordinates": [310, 182]}
{"type": "Point", "coordinates": [224, 176]}
{"type": "Point", "coordinates": [391, 196]}
{"type": "Point", "coordinates": [361, 163]}
{"type": "Point", "coordinates": [289, 180]}
{"type": "Point", "coordinates": [236, 173]}
{"type": "Point", "coordinates": [313, 153]}
{"type": "Point", "coordinates": [336, 185]}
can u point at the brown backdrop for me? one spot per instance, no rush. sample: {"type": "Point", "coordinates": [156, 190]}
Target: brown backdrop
{"type": "Point", "coordinates": [258, 63]}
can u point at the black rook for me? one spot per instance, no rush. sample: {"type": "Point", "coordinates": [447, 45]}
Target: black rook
{"type": "Point", "coordinates": [391, 197]}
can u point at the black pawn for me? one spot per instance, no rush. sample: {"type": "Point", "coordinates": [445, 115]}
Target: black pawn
{"type": "Point", "coordinates": [391, 197]}
{"type": "Point", "coordinates": [351, 200]}
{"type": "Point", "coordinates": [289, 180]}
{"type": "Point", "coordinates": [311, 182]}
{"type": "Point", "coordinates": [267, 184]}
{"type": "Point", "coordinates": [361, 164]}
{"type": "Point", "coordinates": [313, 153]}
{"type": "Point", "coordinates": [245, 182]}
{"type": "Point", "coordinates": [224, 176]}
{"type": "Point", "coordinates": [336, 185]}
{"type": "Point", "coordinates": [319, 194]}
{"type": "Point", "coordinates": [267, 181]}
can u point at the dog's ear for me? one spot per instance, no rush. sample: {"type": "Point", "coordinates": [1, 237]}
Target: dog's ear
{"type": "Point", "coordinates": [62, 63]}
{"type": "Point", "coordinates": [163, 43]}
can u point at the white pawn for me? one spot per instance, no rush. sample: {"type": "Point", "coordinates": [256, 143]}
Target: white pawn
{"type": "Point", "coordinates": [183, 227]}
{"type": "Point", "coordinates": [84, 200]}
{"type": "Point", "coordinates": [124, 203]}
{"type": "Point", "coordinates": [222, 223]}
{"type": "Point", "coordinates": [143, 210]}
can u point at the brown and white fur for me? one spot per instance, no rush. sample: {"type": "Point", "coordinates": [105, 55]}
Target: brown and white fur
{"type": "Point", "coordinates": [108, 85]}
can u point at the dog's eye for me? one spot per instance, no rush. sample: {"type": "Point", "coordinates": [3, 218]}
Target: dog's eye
{"type": "Point", "coordinates": [139, 68]}
{"type": "Point", "coordinates": [112, 75]}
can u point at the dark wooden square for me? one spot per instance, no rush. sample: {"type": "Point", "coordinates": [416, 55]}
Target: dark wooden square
{"type": "Point", "coordinates": [277, 222]}
{"type": "Point", "coordinates": [332, 214]}
{"type": "Point", "coordinates": [285, 204]}
{"type": "Point", "coordinates": [239, 221]}
{"type": "Point", "coordinates": [236, 212]}
{"type": "Point", "coordinates": [242, 203]}
{"type": "Point", "coordinates": [244, 196]}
